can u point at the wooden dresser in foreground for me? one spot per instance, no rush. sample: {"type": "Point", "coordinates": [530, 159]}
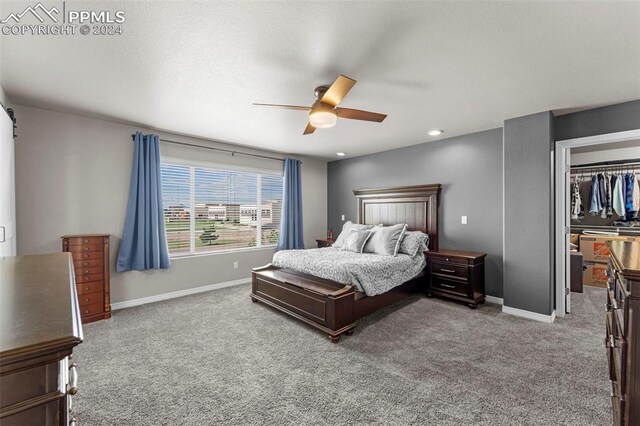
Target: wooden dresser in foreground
{"type": "Point", "coordinates": [91, 264]}
{"type": "Point", "coordinates": [623, 331]}
{"type": "Point", "coordinates": [457, 275]}
{"type": "Point", "coordinates": [40, 326]}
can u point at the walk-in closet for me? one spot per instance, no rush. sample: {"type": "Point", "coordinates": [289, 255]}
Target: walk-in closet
{"type": "Point", "coordinates": [604, 197]}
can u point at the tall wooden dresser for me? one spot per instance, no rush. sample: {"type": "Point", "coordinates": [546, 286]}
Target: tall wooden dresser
{"type": "Point", "coordinates": [623, 331]}
{"type": "Point", "coordinates": [39, 329]}
{"type": "Point", "coordinates": [91, 264]}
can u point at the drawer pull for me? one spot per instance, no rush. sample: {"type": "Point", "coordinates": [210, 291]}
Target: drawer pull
{"type": "Point", "coordinates": [73, 379]}
{"type": "Point", "coordinates": [72, 421]}
{"type": "Point", "coordinates": [613, 390]}
{"type": "Point", "coordinates": [451, 271]}
{"type": "Point", "coordinates": [86, 300]}
{"type": "Point", "coordinates": [86, 287]}
{"type": "Point", "coordinates": [448, 285]}
{"type": "Point", "coordinates": [86, 311]}
{"type": "Point", "coordinates": [447, 259]}
{"type": "Point", "coordinates": [86, 241]}
{"type": "Point", "coordinates": [86, 271]}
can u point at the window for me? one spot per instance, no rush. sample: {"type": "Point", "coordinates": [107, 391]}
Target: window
{"type": "Point", "coordinates": [208, 210]}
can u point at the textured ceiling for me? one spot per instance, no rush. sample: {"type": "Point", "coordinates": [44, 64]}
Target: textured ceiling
{"type": "Point", "coordinates": [195, 67]}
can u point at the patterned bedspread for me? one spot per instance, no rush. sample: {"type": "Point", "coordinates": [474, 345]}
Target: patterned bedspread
{"type": "Point", "coordinates": [372, 273]}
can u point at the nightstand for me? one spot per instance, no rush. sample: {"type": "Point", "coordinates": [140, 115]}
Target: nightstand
{"type": "Point", "coordinates": [325, 243]}
{"type": "Point", "coordinates": [457, 275]}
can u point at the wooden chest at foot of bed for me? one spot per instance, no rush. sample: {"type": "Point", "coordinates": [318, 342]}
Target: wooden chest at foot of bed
{"type": "Point", "coordinates": [323, 304]}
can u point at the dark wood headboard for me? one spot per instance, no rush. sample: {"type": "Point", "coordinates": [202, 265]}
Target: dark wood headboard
{"type": "Point", "coordinates": [417, 206]}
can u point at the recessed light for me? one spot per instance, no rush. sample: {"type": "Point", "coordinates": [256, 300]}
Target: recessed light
{"type": "Point", "coordinates": [435, 132]}
{"type": "Point", "coordinates": [341, 154]}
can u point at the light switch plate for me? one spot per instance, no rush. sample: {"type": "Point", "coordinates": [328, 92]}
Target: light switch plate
{"type": "Point", "coordinates": [343, 217]}
{"type": "Point", "coordinates": [464, 220]}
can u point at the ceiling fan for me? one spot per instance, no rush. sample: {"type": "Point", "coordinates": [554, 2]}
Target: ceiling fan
{"type": "Point", "coordinates": [325, 111]}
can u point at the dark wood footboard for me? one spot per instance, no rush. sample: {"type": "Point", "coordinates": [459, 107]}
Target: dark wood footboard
{"type": "Point", "coordinates": [323, 304]}
{"type": "Point", "coordinates": [329, 306]}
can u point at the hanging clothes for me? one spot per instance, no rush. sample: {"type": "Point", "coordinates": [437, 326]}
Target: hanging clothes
{"type": "Point", "coordinates": [607, 211]}
{"type": "Point", "coordinates": [618, 196]}
{"type": "Point", "coordinates": [635, 195]}
{"type": "Point", "coordinates": [595, 205]}
{"type": "Point", "coordinates": [577, 209]}
{"type": "Point", "coordinates": [629, 179]}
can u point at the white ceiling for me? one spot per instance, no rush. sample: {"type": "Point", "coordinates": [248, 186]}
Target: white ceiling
{"type": "Point", "coordinates": [195, 67]}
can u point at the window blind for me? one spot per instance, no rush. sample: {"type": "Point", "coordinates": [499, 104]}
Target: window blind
{"type": "Point", "coordinates": [211, 209]}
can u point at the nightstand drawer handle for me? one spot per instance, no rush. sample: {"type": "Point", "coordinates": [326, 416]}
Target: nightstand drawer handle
{"type": "Point", "coordinates": [451, 271]}
{"type": "Point", "coordinates": [448, 285]}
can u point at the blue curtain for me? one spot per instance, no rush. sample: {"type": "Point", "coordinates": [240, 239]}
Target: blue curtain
{"type": "Point", "coordinates": [291, 222]}
{"type": "Point", "coordinates": [144, 243]}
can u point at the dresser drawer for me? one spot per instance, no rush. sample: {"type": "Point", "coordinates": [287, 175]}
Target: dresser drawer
{"type": "Point", "coordinates": [91, 298]}
{"type": "Point", "coordinates": [88, 278]}
{"type": "Point", "coordinates": [91, 287]}
{"type": "Point", "coordinates": [450, 269]}
{"type": "Point", "coordinates": [93, 309]}
{"type": "Point", "coordinates": [87, 255]}
{"type": "Point", "coordinates": [88, 271]}
{"type": "Point", "coordinates": [86, 248]}
{"type": "Point", "coordinates": [88, 263]}
{"type": "Point", "coordinates": [451, 286]}
{"type": "Point", "coordinates": [81, 241]}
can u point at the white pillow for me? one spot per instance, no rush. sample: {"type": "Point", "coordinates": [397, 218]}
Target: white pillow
{"type": "Point", "coordinates": [356, 240]}
{"type": "Point", "coordinates": [385, 240]}
{"type": "Point", "coordinates": [348, 226]}
{"type": "Point", "coordinates": [414, 242]}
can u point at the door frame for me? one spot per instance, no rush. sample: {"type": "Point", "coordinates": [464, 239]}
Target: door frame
{"type": "Point", "coordinates": [562, 166]}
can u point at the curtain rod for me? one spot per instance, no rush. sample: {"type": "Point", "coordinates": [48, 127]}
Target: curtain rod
{"type": "Point", "coordinates": [229, 151]}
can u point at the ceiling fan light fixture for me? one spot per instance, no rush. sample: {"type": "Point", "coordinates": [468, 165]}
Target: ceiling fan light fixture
{"type": "Point", "coordinates": [323, 116]}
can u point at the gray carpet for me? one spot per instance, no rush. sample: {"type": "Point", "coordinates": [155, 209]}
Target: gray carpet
{"type": "Point", "coordinates": [216, 358]}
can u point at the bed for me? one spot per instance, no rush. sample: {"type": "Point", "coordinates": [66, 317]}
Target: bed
{"type": "Point", "coordinates": [331, 306]}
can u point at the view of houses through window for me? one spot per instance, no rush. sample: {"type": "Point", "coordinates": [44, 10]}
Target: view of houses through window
{"type": "Point", "coordinates": [208, 210]}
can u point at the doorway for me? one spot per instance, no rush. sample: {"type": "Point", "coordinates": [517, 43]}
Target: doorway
{"type": "Point", "coordinates": [562, 233]}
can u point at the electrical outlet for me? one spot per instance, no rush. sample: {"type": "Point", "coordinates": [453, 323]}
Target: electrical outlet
{"type": "Point", "coordinates": [343, 218]}
{"type": "Point", "coordinates": [235, 264]}
{"type": "Point", "coordinates": [464, 220]}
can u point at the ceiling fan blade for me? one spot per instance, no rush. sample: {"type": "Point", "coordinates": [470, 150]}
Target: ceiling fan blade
{"type": "Point", "coordinates": [294, 107]}
{"type": "Point", "coordinates": [309, 129]}
{"type": "Point", "coordinates": [338, 90]}
{"type": "Point", "coordinates": [357, 114]}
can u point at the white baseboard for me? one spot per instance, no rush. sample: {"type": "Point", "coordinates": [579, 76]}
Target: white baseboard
{"type": "Point", "coordinates": [175, 294]}
{"type": "Point", "coordinates": [493, 299]}
{"type": "Point", "coordinates": [530, 315]}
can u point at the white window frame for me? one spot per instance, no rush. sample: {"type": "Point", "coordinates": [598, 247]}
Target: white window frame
{"type": "Point", "coordinates": [224, 167]}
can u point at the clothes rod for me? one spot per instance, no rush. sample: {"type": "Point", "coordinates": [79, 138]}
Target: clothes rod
{"type": "Point", "coordinates": [229, 151]}
{"type": "Point", "coordinates": [607, 164]}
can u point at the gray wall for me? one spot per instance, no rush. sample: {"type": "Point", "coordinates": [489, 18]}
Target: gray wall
{"type": "Point", "coordinates": [470, 170]}
{"type": "Point", "coordinates": [528, 225]}
{"type": "Point", "coordinates": [598, 121]}
{"type": "Point", "coordinates": [72, 176]}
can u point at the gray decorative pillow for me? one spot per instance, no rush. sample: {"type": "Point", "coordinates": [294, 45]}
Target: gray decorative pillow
{"type": "Point", "coordinates": [385, 239]}
{"type": "Point", "coordinates": [339, 243]}
{"type": "Point", "coordinates": [414, 242]}
{"type": "Point", "coordinates": [356, 240]}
